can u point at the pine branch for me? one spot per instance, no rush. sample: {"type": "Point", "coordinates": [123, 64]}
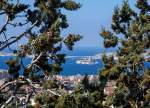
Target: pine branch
{"type": "Point", "coordinates": [18, 37]}
{"type": "Point", "coordinates": [4, 26]}
{"type": "Point", "coordinates": [34, 61]}
{"type": "Point", "coordinates": [8, 101]}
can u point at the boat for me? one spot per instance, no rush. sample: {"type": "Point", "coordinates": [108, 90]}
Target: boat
{"type": "Point", "coordinates": [86, 61]}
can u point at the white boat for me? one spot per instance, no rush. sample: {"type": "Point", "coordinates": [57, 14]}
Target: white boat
{"type": "Point", "coordinates": [86, 61]}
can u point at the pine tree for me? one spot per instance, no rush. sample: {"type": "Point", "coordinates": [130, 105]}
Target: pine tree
{"type": "Point", "coordinates": [130, 33]}
{"type": "Point", "coordinates": [45, 22]}
{"type": "Point", "coordinates": [41, 23]}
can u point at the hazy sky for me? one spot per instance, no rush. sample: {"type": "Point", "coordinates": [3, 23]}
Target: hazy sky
{"type": "Point", "coordinates": [88, 20]}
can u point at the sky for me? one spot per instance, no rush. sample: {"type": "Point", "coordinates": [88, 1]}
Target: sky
{"type": "Point", "coordinates": [89, 19]}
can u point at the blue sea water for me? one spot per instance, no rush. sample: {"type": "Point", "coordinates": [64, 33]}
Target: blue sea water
{"type": "Point", "coordinates": [70, 67]}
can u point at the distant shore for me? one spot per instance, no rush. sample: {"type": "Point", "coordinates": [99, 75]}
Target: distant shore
{"type": "Point", "coordinates": [96, 56]}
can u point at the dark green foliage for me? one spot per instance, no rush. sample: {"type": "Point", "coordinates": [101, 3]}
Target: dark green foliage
{"type": "Point", "coordinates": [48, 22]}
{"type": "Point", "coordinates": [44, 21]}
{"type": "Point", "coordinates": [86, 95]}
{"type": "Point", "coordinates": [131, 29]}
{"type": "Point", "coordinates": [71, 39]}
{"type": "Point", "coordinates": [85, 83]}
{"type": "Point", "coordinates": [14, 68]}
{"type": "Point", "coordinates": [66, 101]}
{"type": "Point", "coordinates": [71, 5]}
{"type": "Point", "coordinates": [12, 9]}
{"type": "Point", "coordinates": [110, 39]}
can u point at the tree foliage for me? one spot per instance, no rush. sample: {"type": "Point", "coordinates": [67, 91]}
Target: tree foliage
{"type": "Point", "coordinates": [40, 22]}
{"type": "Point", "coordinates": [44, 21]}
{"type": "Point", "coordinates": [130, 33]}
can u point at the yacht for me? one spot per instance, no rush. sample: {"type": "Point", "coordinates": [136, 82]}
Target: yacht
{"type": "Point", "coordinates": [87, 61]}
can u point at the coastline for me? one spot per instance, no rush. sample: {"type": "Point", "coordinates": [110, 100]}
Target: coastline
{"type": "Point", "coordinates": [75, 69]}
{"type": "Point", "coordinates": [96, 56]}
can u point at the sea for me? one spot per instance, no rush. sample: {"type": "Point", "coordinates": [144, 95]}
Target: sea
{"type": "Point", "coordinates": [70, 67]}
